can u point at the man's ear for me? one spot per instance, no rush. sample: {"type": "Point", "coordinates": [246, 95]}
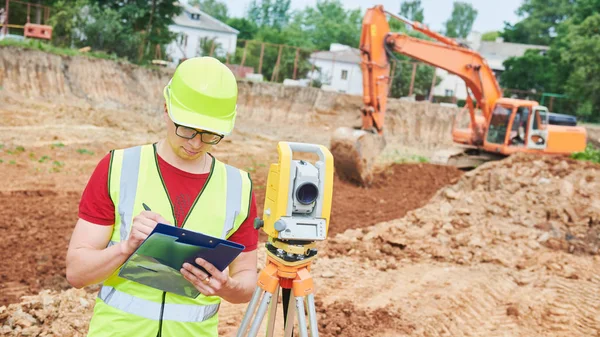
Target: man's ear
{"type": "Point", "coordinates": [166, 114]}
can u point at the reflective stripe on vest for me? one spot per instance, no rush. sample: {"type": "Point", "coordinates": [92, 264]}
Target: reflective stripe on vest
{"type": "Point", "coordinates": [151, 310]}
{"type": "Point", "coordinates": [127, 192]}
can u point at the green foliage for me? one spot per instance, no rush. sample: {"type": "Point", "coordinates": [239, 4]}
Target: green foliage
{"type": "Point", "coordinates": [403, 74]}
{"type": "Point", "coordinates": [57, 145]}
{"type": "Point", "coordinates": [531, 71]}
{"type": "Point", "coordinates": [329, 22]}
{"type": "Point", "coordinates": [589, 154]}
{"type": "Point", "coordinates": [49, 48]}
{"type": "Point", "coordinates": [271, 13]}
{"type": "Point", "coordinates": [214, 8]}
{"type": "Point", "coordinates": [205, 45]}
{"type": "Point", "coordinates": [461, 20]}
{"type": "Point", "coordinates": [583, 55]}
{"type": "Point", "coordinates": [541, 21]}
{"type": "Point", "coordinates": [247, 28]}
{"type": "Point", "coordinates": [66, 18]}
{"type": "Point", "coordinates": [571, 65]}
{"type": "Point", "coordinates": [412, 10]}
{"type": "Point", "coordinates": [490, 36]}
{"type": "Point", "coordinates": [43, 159]}
{"type": "Point", "coordinates": [85, 151]}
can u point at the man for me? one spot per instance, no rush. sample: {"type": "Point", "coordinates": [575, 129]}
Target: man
{"type": "Point", "coordinates": [183, 185]}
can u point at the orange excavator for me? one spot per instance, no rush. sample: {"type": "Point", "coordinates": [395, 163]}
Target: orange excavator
{"type": "Point", "coordinates": [497, 127]}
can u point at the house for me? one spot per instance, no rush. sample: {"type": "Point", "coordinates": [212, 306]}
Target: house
{"type": "Point", "coordinates": [494, 52]}
{"type": "Point", "coordinates": [338, 69]}
{"type": "Point", "coordinates": [193, 26]}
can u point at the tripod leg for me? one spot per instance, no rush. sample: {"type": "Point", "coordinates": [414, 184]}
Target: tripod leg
{"type": "Point", "coordinates": [289, 318]}
{"type": "Point", "coordinates": [249, 311]}
{"type": "Point", "coordinates": [301, 316]}
{"type": "Point", "coordinates": [312, 316]}
{"type": "Point", "coordinates": [272, 314]}
{"type": "Point", "coordinates": [260, 314]}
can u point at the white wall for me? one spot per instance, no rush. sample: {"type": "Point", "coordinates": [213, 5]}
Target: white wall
{"type": "Point", "coordinates": [450, 82]}
{"type": "Point", "coordinates": [227, 40]}
{"type": "Point", "coordinates": [331, 73]}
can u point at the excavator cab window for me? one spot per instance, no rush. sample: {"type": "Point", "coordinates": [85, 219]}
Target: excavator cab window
{"type": "Point", "coordinates": [519, 127]}
{"type": "Point", "coordinates": [498, 124]}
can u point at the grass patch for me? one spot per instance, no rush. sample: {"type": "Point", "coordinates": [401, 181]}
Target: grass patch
{"type": "Point", "coordinates": [49, 48]}
{"type": "Point", "coordinates": [590, 153]}
{"type": "Point", "coordinates": [85, 151]}
{"type": "Point", "coordinates": [57, 145]}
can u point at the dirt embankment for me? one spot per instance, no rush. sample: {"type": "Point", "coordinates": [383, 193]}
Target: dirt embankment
{"type": "Point", "coordinates": [272, 110]}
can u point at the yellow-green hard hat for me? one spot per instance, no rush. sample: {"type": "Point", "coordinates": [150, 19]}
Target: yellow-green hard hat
{"type": "Point", "coordinates": [203, 95]}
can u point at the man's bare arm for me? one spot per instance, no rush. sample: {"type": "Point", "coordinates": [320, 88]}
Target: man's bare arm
{"type": "Point", "coordinates": [89, 261]}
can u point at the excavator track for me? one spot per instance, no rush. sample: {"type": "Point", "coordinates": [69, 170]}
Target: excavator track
{"type": "Point", "coordinates": [464, 158]}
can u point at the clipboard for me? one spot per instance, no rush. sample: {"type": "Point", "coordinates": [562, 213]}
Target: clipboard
{"type": "Point", "coordinates": [157, 261]}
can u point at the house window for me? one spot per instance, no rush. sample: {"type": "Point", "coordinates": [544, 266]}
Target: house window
{"type": "Point", "coordinates": [449, 93]}
{"type": "Point", "coordinates": [195, 16]}
{"type": "Point", "coordinates": [344, 74]}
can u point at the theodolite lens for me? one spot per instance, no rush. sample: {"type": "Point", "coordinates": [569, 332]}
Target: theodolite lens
{"type": "Point", "coordinates": [307, 193]}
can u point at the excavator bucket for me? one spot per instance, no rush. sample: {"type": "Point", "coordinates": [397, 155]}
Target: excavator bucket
{"type": "Point", "coordinates": [354, 153]}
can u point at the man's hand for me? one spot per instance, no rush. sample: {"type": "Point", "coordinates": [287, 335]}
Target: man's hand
{"type": "Point", "coordinates": [143, 224]}
{"type": "Point", "coordinates": [219, 284]}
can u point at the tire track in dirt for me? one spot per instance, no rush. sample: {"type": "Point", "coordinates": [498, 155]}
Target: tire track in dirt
{"type": "Point", "coordinates": [576, 306]}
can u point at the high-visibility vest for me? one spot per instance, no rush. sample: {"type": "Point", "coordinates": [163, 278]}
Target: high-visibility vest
{"type": "Point", "coordinates": [127, 308]}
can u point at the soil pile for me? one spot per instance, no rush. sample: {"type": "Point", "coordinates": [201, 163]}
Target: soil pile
{"type": "Point", "coordinates": [48, 314]}
{"type": "Point", "coordinates": [512, 205]}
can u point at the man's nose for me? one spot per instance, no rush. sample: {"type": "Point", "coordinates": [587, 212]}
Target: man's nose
{"type": "Point", "coordinates": [196, 142]}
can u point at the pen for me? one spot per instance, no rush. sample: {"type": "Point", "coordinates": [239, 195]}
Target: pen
{"type": "Point", "coordinates": [146, 207]}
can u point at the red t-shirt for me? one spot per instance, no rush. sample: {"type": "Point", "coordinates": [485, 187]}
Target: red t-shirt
{"type": "Point", "coordinates": [97, 207]}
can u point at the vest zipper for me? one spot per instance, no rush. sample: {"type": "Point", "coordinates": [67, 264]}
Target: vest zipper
{"type": "Point", "coordinates": [162, 311]}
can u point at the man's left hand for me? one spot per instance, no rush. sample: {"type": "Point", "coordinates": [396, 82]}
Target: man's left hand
{"type": "Point", "coordinates": [216, 285]}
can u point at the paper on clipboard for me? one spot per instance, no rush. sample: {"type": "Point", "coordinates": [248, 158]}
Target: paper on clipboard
{"type": "Point", "coordinates": [156, 263]}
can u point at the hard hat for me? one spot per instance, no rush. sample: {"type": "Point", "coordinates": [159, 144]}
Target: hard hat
{"type": "Point", "coordinates": [202, 95]}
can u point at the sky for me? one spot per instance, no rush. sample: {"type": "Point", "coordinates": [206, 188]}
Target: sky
{"type": "Point", "coordinates": [491, 13]}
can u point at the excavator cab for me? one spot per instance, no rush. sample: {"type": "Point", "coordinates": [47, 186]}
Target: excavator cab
{"type": "Point", "coordinates": [517, 126]}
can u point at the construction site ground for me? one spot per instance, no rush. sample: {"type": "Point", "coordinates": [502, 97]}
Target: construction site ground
{"type": "Point", "coordinates": [508, 249]}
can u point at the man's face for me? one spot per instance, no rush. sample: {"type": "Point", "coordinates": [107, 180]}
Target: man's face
{"type": "Point", "coordinates": [188, 149]}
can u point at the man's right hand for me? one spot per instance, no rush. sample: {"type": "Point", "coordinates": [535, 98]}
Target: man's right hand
{"type": "Point", "coordinates": [143, 224]}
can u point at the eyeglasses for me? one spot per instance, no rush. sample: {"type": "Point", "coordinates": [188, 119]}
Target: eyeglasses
{"type": "Point", "coordinates": [189, 133]}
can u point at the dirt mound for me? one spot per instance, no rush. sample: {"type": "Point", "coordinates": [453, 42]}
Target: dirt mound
{"type": "Point", "coordinates": [516, 204]}
{"type": "Point", "coordinates": [344, 319]}
{"type": "Point", "coordinates": [395, 190]}
{"type": "Point", "coordinates": [48, 314]}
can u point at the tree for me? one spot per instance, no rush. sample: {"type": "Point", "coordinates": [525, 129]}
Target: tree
{"type": "Point", "coordinates": [402, 76]}
{"type": "Point", "coordinates": [583, 53]}
{"type": "Point", "coordinates": [490, 36]}
{"type": "Point", "coordinates": [246, 27]}
{"type": "Point", "coordinates": [533, 70]}
{"type": "Point", "coordinates": [272, 13]}
{"type": "Point", "coordinates": [461, 20]}
{"type": "Point", "coordinates": [412, 10]}
{"type": "Point", "coordinates": [329, 22]}
{"type": "Point", "coordinates": [141, 20]}
{"type": "Point", "coordinates": [214, 8]}
{"type": "Point", "coordinates": [540, 22]}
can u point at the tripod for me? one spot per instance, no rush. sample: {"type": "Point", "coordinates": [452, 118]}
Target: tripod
{"type": "Point", "coordinates": [290, 272]}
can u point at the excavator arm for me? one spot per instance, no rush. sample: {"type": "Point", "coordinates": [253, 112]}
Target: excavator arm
{"type": "Point", "coordinates": [356, 150]}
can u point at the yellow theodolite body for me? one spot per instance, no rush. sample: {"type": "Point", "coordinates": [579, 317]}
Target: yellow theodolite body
{"type": "Point", "coordinates": [298, 194]}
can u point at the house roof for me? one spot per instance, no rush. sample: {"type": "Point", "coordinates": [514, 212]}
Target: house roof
{"type": "Point", "coordinates": [206, 22]}
{"type": "Point", "coordinates": [351, 55]}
